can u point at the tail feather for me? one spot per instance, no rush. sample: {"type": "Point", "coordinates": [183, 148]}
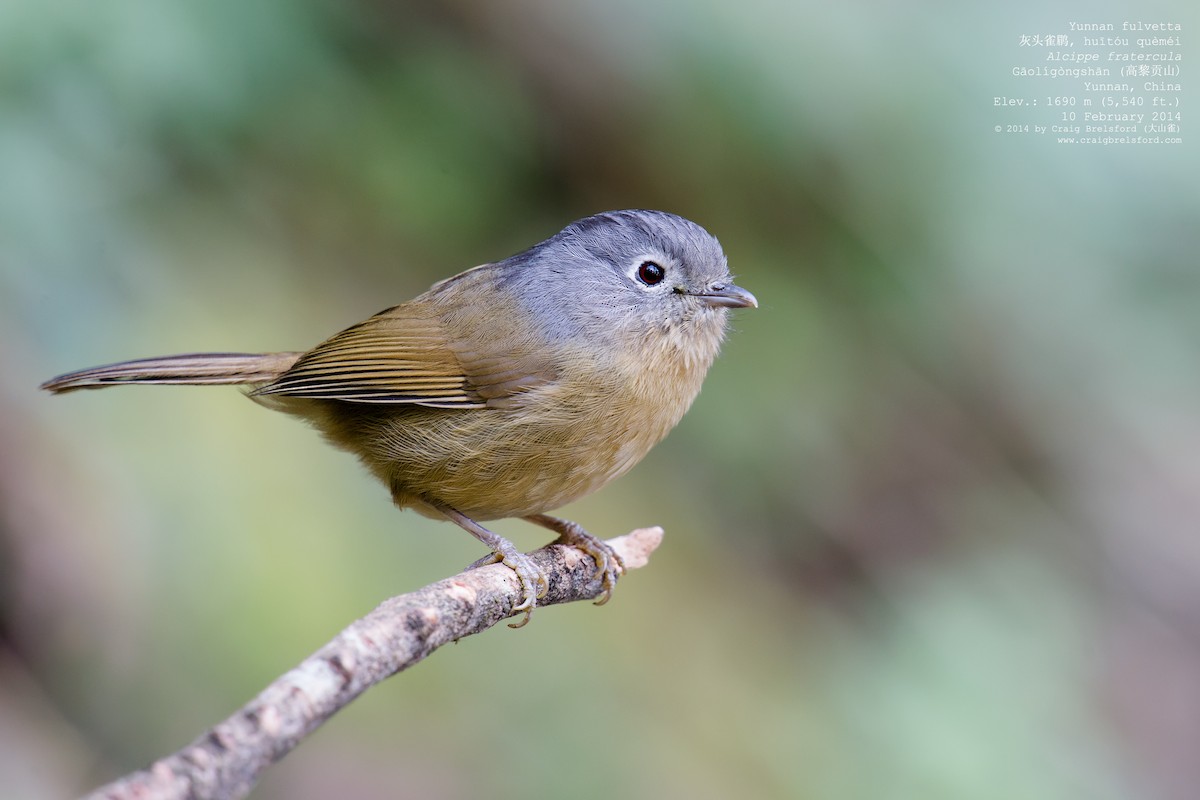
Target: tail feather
{"type": "Point", "coordinates": [187, 369]}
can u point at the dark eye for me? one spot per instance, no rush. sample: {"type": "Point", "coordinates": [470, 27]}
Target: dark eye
{"type": "Point", "coordinates": [650, 273]}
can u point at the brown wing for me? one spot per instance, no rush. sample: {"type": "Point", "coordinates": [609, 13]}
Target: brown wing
{"type": "Point", "coordinates": [403, 356]}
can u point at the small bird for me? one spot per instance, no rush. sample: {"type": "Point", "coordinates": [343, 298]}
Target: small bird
{"type": "Point", "coordinates": [510, 389]}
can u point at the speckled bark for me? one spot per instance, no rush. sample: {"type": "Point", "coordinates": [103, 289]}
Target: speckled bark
{"type": "Point", "coordinates": [226, 761]}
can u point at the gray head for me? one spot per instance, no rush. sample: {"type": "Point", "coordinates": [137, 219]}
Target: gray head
{"type": "Point", "coordinates": [634, 271]}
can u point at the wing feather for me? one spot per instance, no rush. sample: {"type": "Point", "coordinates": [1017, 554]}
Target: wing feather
{"type": "Point", "coordinates": [403, 356]}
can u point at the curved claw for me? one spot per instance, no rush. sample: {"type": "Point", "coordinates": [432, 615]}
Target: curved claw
{"type": "Point", "coordinates": [534, 584]}
{"type": "Point", "coordinates": [609, 564]}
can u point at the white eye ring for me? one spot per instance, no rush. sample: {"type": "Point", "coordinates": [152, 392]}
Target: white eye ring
{"type": "Point", "coordinates": [651, 269]}
{"type": "Point", "coordinates": [650, 272]}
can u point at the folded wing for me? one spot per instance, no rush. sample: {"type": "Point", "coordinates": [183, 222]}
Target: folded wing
{"type": "Point", "coordinates": [404, 356]}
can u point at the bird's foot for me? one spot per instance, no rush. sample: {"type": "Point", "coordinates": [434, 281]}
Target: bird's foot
{"type": "Point", "coordinates": [609, 565]}
{"type": "Point", "coordinates": [533, 579]}
{"type": "Point", "coordinates": [534, 583]}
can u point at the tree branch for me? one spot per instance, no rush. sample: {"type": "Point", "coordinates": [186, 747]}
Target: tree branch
{"type": "Point", "coordinates": [226, 761]}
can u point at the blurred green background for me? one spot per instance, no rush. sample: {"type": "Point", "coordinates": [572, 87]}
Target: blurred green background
{"type": "Point", "coordinates": [933, 526]}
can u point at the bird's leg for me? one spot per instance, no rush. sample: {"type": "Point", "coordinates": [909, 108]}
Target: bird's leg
{"type": "Point", "coordinates": [534, 583]}
{"type": "Point", "coordinates": [608, 562]}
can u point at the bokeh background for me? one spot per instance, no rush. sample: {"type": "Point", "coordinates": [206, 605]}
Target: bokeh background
{"type": "Point", "coordinates": [933, 526]}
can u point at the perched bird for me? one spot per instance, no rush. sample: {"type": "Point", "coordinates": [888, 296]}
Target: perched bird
{"type": "Point", "coordinates": [510, 389]}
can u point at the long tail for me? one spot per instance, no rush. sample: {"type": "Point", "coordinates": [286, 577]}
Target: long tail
{"type": "Point", "coordinates": [190, 368]}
